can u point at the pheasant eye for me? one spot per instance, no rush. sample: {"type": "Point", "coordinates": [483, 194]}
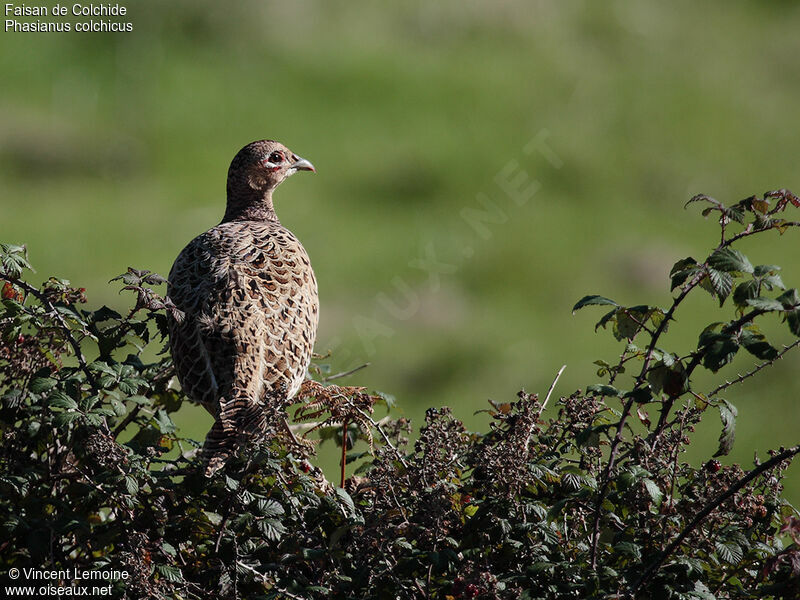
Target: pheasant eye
{"type": "Point", "coordinates": [276, 157]}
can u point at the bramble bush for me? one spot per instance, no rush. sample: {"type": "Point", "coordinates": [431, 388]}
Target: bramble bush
{"type": "Point", "coordinates": [595, 502]}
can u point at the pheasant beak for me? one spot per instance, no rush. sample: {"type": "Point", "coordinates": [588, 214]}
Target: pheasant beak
{"type": "Point", "coordinates": [301, 164]}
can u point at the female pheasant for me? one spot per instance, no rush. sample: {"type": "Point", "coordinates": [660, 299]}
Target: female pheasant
{"type": "Point", "coordinates": [250, 305]}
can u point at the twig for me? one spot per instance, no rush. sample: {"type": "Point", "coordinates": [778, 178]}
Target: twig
{"type": "Point", "coordinates": [709, 508]}
{"type": "Point", "coordinates": [750, 231]}
{"type": "Point", "coordinates": [344, 451]}
{"type": "Point", "coordinates": [345, 373]}
{"type": "Point", "coordinates": [541, 409]}
{"type": "Point", "coordinates": [383, 435]}
{"type": "Point", "coordinates": [552, 387]}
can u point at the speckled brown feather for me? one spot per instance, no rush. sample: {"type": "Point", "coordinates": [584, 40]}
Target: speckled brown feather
{"type": "Point", "coordinates": [250, 305]}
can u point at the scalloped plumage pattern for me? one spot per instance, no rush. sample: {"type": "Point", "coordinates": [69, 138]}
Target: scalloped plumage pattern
{"type": "Point", "coordinates": [251, 308]}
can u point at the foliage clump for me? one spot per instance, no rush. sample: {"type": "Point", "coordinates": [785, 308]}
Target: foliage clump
{"type": "Point", "coordinates": [594, 502]}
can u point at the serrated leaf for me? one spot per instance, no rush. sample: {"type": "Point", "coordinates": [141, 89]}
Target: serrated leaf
{"type": "Point", "coordinates": [42, 384]}
{"type": "Point", "coordinates": [721, 283]}
{"type": "Point", "coordinates": [744, 291]}
{"type": "Point", "coordinates": [65, 418]}
{"type": "Point", "coordinates": [213, 518]}
{"type": "Point", "coordinates": [625, 327]}
{"type": "Point", "coordinates": [718, 349]}
{"type": "Point", "coordinates": [593, 300]}
{"type": "Point", "coordinates": [756, 344]}
{"type": "Point", "coordinates": [734, 213]}
{"type": "Point", "coordinates": [270, 508]}
{"type": "Point", "coordinates": [681, 271]}
{"type": "Point", "coordinates": [629, 549]}
{"type": "Point", "coordinates": [402, 543]}
{"type": "Point", "coordinates": [170, 573]}
{"type": "Point", "coordinates": [272, 529]}
{"type": "Point", "coordinates": [789, 299]}
{"type": "Point", "coordinates": [61, 400]}
{"type": "Point", "coordinates": [605, 319]}
{"type": "Point", "coordinates": [704, 198]}
{"type": "Point", "coordinates": [729, 552]}
{"type": "Point", "coordinates": [131, 485]}
{"type": "Point", "coordinates": [762, 270]}
{"type": "Point", "coordinates": [727, 413]}
{"type": "Point", "coordinates": [652, 488]}
{"type": "Point", "coordinates": [762, 303]}
{"type": "Point", "coordinates": [346, 500]}
{"type": "Point", "coordinates": [163, 421]}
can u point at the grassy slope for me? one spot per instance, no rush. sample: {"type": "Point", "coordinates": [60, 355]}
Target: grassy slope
{"type": "Point", "coordinates": [113, 152]}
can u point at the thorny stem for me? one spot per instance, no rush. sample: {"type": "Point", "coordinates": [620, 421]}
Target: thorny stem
{"type": "Point", "coordinates": [741, 378]}
{"type": "Point", "coordinates": [710, 507]}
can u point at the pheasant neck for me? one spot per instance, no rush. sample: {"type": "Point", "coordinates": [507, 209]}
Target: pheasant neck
{"type": "Point", "coordinates": [250, 206]}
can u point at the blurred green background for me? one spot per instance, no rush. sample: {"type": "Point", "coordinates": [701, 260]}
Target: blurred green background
{"type": "Point", "coordinates": [114, 150]}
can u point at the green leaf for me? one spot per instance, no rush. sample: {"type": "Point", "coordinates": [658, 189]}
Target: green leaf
{"type": "Point", "coordinates": [652, 488]}
{"type": "Point", "coordinates": [763, 270]}
{"type": "Point", "coordinates": [59, 399]}
{"type": "Point", "coordinates": [387, 399]}
{"type": "Point", "coordinates": [629, 549]}
{"type": "Point", "coordinates": [733, 213]}
{"type": "Point", "coordinates": [131, 485]}
{"type": "Point", "coordinates": [213, 518]}
{"type": "Point", "coordinates": [593, 300]}
{"type": "Point", "coordinates": [721, 284]}
{"type": "Point", "coordinates": [718, 348]}
{"type": "Point", "coordinates": [704, 198]}
{"type": "Point", "coordinates": [625, 326]}
{"type": "Point", "coordinates": [640, 395]}
{"type": "Point", "coordinates": [65, 418]}
{"type": "Point", "coordinates": [163, 421]}
{"type": "Point", "coordinates": [346, 500]}
{"type": "Point", "coordinates": [606, 318]}
{"type": "Point", "coordinates": [729, 552]}
{"type": "Point", "coordinates": [42, 384]}
{"type": "Point", "coordinates": [272, 529]}
{"type": "Point", "coordinates": [745, 291]}
{"type": "Point", "coordinates": [790, 299]}
{"type": "Point", "coordinates": [793, 319]}
{"type": "Point", "coordinates": [681, 271]}
{"type": "Point", "coordinates": [270, 508]}
{"type": "Point", "coordinates": [767, 304]}
{"type": "Point", "coordinates": [170, 573]}
{"type": "Point", "coordinates": [603, 390]}
{"type": "Point", "coordinates": [727, 413]}
{"type": "Point", "coordinates": [756, 343]}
